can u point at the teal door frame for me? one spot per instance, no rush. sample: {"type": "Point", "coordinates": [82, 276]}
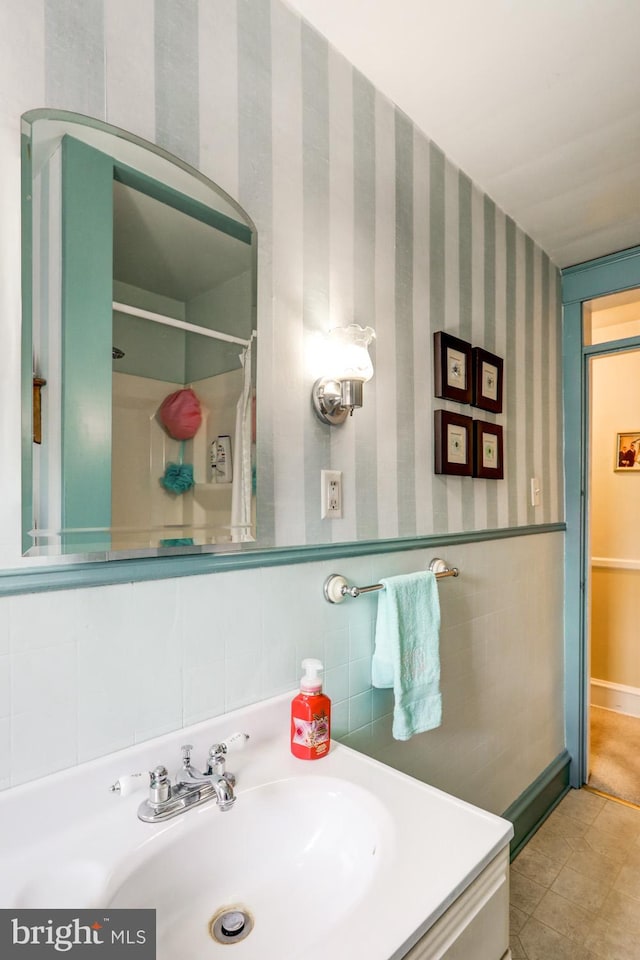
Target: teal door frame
{"type": "Point", "coordinates": [597, 278]}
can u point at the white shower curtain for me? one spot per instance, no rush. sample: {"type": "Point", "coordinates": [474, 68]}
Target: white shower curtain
{"type": "Point", "coordinates": [241, 484]}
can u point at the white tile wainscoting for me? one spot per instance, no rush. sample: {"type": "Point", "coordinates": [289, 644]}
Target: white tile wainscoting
{"type": "Point", "coordinates": [85, 672]}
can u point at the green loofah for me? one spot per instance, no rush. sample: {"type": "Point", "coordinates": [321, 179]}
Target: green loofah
{"type": "Point", "coordinates": [178, 477]}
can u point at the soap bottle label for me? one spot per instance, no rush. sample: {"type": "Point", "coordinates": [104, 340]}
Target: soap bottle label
{"type": "Point", "coordinates": [312, 733]}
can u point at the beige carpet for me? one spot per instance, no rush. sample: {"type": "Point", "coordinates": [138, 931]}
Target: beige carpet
{"type": "Point", "coordinates": [615, 754]}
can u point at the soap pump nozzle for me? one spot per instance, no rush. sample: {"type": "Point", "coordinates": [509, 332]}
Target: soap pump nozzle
{"type": "Point", "coordinates": [311, 681]}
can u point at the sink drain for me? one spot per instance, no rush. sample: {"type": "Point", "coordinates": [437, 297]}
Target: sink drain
{"type": "Point", "coordinates": [231, 925]}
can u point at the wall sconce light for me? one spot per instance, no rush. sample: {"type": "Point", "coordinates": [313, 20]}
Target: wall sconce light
{"type": "Point", "coordinates": [348, 367]}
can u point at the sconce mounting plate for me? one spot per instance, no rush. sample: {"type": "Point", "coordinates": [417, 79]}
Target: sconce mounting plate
{"type": "Point", "coordinates": [327, 401]}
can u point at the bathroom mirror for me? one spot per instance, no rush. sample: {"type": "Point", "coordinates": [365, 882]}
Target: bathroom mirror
{"type": "Point", "coordinates": [139, 349]}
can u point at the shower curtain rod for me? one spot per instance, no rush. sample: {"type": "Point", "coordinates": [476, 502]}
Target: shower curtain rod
{"type": "Point", "coordinates": [180, 324]}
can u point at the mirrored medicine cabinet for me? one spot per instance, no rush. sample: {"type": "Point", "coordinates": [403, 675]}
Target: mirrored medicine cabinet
{"type": "Point", "coordinates": [139, 290]}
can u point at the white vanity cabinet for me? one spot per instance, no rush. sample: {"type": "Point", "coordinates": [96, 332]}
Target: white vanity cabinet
{"type": "Point", "coordinates": [476, 925]}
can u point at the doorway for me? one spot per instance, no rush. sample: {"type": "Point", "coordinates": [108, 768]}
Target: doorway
{"type": "Point", "coordinates": [613, 517]}
{"type": "Point", "coordinates": [584, 288]}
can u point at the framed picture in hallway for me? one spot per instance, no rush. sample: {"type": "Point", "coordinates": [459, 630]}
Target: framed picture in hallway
{"type": "Point", "coordinates": [453, 442]}
{"type": "Point", "coordinates": [488, 457]}
{"type": "Point", "coordinates": [627, 451]}
{"type": "Point", "coordinates": [487, 380]}
{"type": "Point", "coordinates": [452, 373]}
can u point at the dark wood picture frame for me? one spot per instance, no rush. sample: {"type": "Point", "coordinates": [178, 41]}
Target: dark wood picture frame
{"type": "Point", "coordinates": [453, 376]}
{"type": "Point", "coordinates": [487, 380]}
{"type": "Point", "coordinates": [488, 450]}
{"type": "Point", "coordinates": [453, 443]}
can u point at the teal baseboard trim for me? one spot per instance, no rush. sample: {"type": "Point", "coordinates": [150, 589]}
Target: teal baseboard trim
{"type": "Point", "coordinates": [534, 805]}
{"type": "Point", "coordinates": [67, 573]}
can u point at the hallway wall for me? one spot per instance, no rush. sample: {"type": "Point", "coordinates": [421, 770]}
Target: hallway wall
{"type": "Point", "coordinates": [615, 532]}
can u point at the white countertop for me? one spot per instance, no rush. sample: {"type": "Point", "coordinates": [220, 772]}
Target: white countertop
{"type": "Point", "coordinates": [63, 837]}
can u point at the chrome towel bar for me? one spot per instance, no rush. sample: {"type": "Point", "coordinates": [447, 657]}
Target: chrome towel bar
{"type": "Point", "coordinates": [336, 587]}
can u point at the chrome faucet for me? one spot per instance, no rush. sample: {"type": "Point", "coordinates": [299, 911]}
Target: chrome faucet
{"type": "Point", "coordinates": [221, 782]}
{"type": "Point", "coordinates": [191, 787]}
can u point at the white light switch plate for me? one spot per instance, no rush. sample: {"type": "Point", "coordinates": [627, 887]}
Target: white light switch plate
{"type": "Point", "coordinates": [535, 492]}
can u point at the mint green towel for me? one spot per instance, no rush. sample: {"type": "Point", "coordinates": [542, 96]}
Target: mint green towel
{"type": "Point", "coordinates": [407, 651]}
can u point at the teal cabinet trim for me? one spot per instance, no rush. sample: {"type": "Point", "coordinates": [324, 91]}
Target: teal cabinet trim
{"type": "Point", "coordinates": [87, 337]}
{"type": "Point", "coordinates": [534, 804]}
{"type": "Point", "coordinates": [63, 575]}
{"type": "Point", "coordinates": [180, 201]}
{"type": "Point", "coordinates": [27, 343]}
{"type": "Point", "coordinates": [620, 271]}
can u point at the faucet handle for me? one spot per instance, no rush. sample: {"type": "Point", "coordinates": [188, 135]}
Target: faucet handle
{"type": "Point", "coordinates": [186, 754]}
{"type": "Point", "coordinates": [128, 783]}
{"type": "Point", "coordinates": [159, 785]}
{"type": "Point", "coordinates": [236, 740]}
{"type": "Point", "coordinates": [218, 751]}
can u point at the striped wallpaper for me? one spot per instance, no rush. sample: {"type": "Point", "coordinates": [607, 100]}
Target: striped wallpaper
{"type": "Point", "coordinates": [360, 217]}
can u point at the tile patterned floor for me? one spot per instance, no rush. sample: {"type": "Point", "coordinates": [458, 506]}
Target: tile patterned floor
{"type": "Point", "coordinates": [575, 887]}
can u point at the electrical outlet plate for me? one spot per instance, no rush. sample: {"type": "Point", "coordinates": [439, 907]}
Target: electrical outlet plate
{"type": "Point", "coordinates": [331, 494]}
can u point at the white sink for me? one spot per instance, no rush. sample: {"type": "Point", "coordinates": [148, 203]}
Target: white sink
{"type": "Point", "coordinates": [341, 857]}
{"type": "Point", "coordinates": [297, 855]}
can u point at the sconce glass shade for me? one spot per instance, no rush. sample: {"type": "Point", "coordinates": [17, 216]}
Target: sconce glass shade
{"type": "Point", "coordinates": [348, 367]}
{"type": "Point", "coordinates": [348, 354]}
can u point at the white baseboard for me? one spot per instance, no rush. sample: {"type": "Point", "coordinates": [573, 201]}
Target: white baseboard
{"type": "Point", "coordinates": [615, 696]}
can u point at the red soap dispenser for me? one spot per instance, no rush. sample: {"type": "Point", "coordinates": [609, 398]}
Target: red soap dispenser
{"type": "Point", "coordinates": [310, 715]}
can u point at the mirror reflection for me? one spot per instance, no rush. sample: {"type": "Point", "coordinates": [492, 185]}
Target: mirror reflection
{"type": "Point", "coordinates": [143, 332]}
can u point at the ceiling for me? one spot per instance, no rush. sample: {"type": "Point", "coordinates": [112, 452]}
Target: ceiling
{"type": "Point", "coordinates": [538, 101]}
{"type": "Point", "coordinates": [160, 248]}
